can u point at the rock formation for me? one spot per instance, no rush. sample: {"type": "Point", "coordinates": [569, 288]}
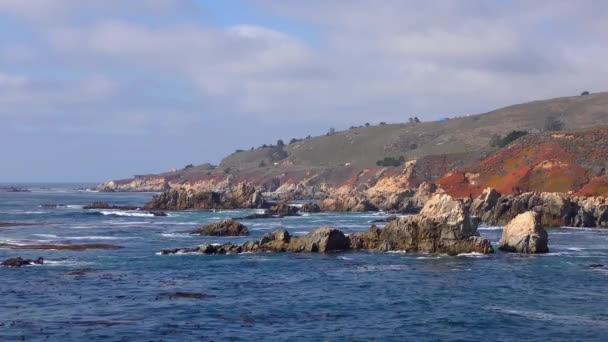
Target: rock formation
{"type": "Point", "coordinates": [223, 228]}
{"type": "Point", "coordinates": [18, 262]}
{"type": "Point", "coordinates": [443, 226]}
{"type": "Point", "coordinates": [524, 234]}
{"type": "Point", "coordinates": [241, 196]}
{"type": "Point", "coordinates": [310, 208]}
{"type": "Point", "coordinates": [555, 209]}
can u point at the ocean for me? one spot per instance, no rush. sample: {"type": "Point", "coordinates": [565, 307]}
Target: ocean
{"type": "Point", "coordinates": [135, 294]}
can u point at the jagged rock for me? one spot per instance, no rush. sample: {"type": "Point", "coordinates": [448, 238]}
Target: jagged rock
{"type": "Point", "coordinates": [240, 196]}
{"type": "Point", "coordinates": [443, 226]}
{"type": "Point", "coordinates": [18, 262]}
{"type": "Point", "coordinates": [223, 228]}
{"type": "Point", "coordinates": [283, 209]}
{"type": "Point", "coordinates": [310, 208]}
{"type": "Point", "coordinates": [353, 201]}
{"type": "Point", "coordinates": [384, 220]}
{"type": "Point", "coordinates": [524, 234]}
{"type": "Point", "coordinates": [322, 240]}
{"type": "Point", "coordinates": [366, 240]}
{"type": "Point", "coordinates": [555, 209]}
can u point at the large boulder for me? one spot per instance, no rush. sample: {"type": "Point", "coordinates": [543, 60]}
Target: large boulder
{"type": "Point", "coordinates": [223, 228]}
{"type": "Point", "coordinates": [524, 234]}
{"type": "Point", "coordinates": [322, 240]}
{"type": "Point", "coordinates": [443, 226]}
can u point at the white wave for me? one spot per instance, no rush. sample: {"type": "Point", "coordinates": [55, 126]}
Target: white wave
{"type": "Point", "coordinates": [34, 212]}
{"type": "Point", "coordinates": [94, 237]}
{"type": "Point", "coordinates": [542, 316]}
{"type": "Point", "coordinates": [473, 255]}
{"type": "Point", "coordinates": [489, 228]}
{"type": "Point", "coordinates": [575, 249]}
{"type": "Point", "coordinates": [345, 258]}
{"type": "Point", "coordinates": [74, 206]}
{"type": "Point", "coordinates": [301, 233]}
{"type": "Point", "coordinates": [66, 262]}
{"type": "Point", "coordinates": [49, 236]}
{"type": "Point", "coordinates": [428, 257]}
{"type": "Point", "coordinates": [173, 235]}
{"type": "Point", "coordinates": [126, 213]}
{"type": "Point", "coordinates": [397, 252]}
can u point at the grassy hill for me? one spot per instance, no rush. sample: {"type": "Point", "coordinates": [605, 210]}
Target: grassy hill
{"type": "Point", "coordinates": [462, 142]}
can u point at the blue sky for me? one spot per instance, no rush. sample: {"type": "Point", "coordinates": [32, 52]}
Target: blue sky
{"type": "Point", "coordinates": [101, 89]}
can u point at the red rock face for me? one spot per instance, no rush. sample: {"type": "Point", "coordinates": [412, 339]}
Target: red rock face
{"type": "Point", "coordinates": [557, 162]}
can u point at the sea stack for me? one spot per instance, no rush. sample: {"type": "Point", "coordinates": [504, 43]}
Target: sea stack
{"type": "Point", "coordinates": [524, 234]}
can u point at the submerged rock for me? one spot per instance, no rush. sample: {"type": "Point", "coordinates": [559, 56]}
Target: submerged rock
{"type": "Point", "coordinates": [107, 206]}
{"type": "Point", "coordinates": [223, 228]}
{"type": "Point", "coordinates": [18, 262]}
{"type": "Point", "coordinates": [524, 234]}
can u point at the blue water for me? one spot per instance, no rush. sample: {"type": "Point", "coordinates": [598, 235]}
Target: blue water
{"type": "Point", "coordinates": [128, 293]}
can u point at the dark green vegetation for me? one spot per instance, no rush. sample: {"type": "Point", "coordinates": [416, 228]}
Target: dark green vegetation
{"type": "Point", "coordinates": [500, 142]}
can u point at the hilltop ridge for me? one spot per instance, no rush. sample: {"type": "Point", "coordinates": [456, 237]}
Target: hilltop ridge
{"type": "Point", "coordinates": [351, 157]}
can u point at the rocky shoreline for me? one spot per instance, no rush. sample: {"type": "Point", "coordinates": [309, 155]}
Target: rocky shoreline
{"type": "Point", "coordinates": [443, 226]}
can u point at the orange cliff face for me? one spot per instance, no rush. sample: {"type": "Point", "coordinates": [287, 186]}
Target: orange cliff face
{"type": "Point", "coordinates": [558, 162]}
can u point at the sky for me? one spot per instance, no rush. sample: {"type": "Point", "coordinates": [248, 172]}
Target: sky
{"type": "Point", "coordinates": [92, 90]}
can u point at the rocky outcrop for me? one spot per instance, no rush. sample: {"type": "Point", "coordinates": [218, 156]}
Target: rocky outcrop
{"type": "Point", "coordinates": [443, 226]}
{"type": "Point", "coordinates": [137, 184]}
{"type": "Point", "coordinates": [310, 208]}
{"type": "Point", "coordinates": [18, 262]}
{"type": "Point", "coordinates": [524, 234]}
{"type": "Point", "coordinates": [554, 209]}
{"type": "Point", "coordinates": [241, 196]}
{"type": "Point", "coordinates": [347, 200]}
{"type": "Point", "coordinates": [223, 228]}
{"type": "Point", "coordinates": [322, 240]}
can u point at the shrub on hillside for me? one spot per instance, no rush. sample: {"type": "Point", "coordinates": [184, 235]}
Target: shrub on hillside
{"type": "Point", "coordinates": [390, 161]}
{"type": "Point", "coordinates": [500, 142]}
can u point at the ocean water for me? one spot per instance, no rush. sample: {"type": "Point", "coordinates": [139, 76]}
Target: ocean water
{"type": "Point", "coordinates": [129, 294]}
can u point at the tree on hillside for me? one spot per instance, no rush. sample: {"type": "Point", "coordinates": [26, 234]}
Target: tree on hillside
{"type": "Point", "coordinates": [585, 93]}
{"type": "Point", "coordinates": [280, 143]}
{"type": "Point", "coordinates": [367, 124]}
{"type": "Point", "coordinates": [553, 124]}
{"type": "Point", "coordinates": [331, 131]}
{"type": "Point", "coordinates": [293, 141]}
{"type": "Point", "coordinates": [411, 120]}
{"type": "Point", "coordinates": [416, 120]}
{"type": "Point", "coordinates": [189, 166]}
